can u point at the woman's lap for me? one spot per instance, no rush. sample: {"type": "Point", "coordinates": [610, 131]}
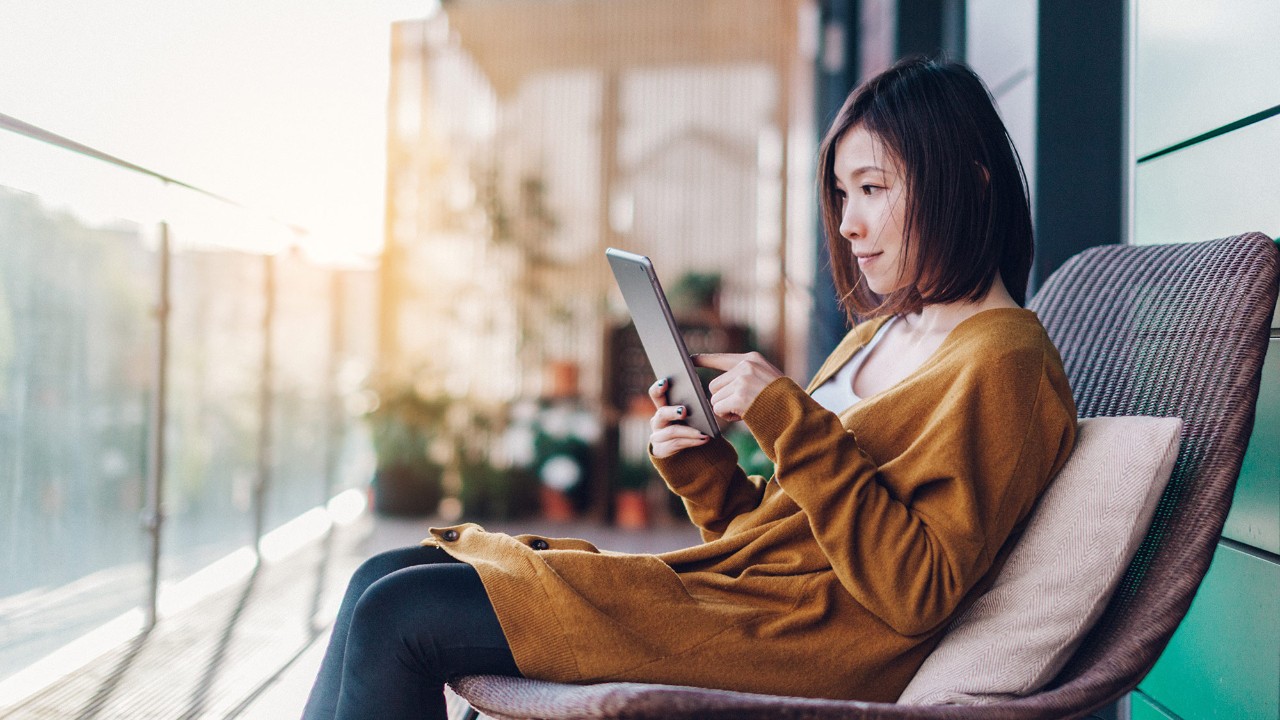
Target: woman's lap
{"type": "Point", "coordinates": [411, 619]}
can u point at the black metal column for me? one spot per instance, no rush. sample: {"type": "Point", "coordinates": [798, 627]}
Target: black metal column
{"type": "Point", "coordinates": [1081, 162]}
{"type": "Point", "coordinates": [835, 75]}
{"type": "Point", "coordinates": [935, 28]}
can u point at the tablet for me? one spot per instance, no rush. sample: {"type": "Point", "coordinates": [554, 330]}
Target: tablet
{"type": "Point", "coordinates": [663, 344]}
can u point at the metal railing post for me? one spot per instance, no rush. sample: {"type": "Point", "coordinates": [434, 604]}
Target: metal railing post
{"type": "Point", "coordinates": [333, 385]}
{"type": "Point", "coordinates": [265, 408]}
{"type": "Point", "coordinates": [153, 519]}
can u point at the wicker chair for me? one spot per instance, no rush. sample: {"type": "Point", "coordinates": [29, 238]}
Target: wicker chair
{"type": "Point", "coordinates": [1171, 330]}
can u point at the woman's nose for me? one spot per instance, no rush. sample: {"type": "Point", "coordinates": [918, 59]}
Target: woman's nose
{"type": "Point", "coordinates": [850, 226]}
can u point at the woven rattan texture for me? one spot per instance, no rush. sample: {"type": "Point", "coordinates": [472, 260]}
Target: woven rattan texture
{"type": "Point", "coordinates": [1170, 330]}
{"type": "Point", "coordinates": [1177, 330]}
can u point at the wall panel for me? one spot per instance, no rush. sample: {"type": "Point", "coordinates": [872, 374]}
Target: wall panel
{"type": "Point", "coordinates": [1201, 65]}
{"type": "Point", "coordinates": [1222, 661]}
{"type": "Point", "coordinates": [1223, 186]}
{"type": "Point", "coordinates": [1255, 512]}
{"type": "Point", "coordinates": [1205, 71]}
{"type": "Point", "coordinates": [1142, 708]}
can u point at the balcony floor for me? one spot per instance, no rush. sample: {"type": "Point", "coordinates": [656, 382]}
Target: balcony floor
{"type": "Point", "coordinates": [251, 650]}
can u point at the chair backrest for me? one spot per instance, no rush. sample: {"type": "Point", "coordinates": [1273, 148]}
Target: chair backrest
{"type": "Point", "coordinates": [1166, 330]}
{"type": "Point", "coordinates": [1172, 330]}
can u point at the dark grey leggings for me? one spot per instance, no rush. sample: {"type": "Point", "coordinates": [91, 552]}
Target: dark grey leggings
{"type": "Point", "coordinates": [411, 619]}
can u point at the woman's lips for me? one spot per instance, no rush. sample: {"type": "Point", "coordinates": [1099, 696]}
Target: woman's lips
{"type": "Point", "coordinates": [863, 260]}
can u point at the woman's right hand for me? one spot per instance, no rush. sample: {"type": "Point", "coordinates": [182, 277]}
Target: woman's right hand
{"type": "Point", "coordinates": [670, 435]}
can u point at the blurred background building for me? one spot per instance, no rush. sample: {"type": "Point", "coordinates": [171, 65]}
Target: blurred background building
{"type": "Point", "coordinates": [527, 137]}
{"type": "Point", "coordinates": [193, 388]}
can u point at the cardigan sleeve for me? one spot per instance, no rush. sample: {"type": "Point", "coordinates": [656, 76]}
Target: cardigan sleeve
{"type": "Point", "coordinates": [979, 463]}
{"type": "Point", "coordinates": [713, 487]}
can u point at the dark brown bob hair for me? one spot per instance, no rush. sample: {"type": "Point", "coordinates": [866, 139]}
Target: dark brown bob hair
{"type": "Point", "coordinates": [966, 216]}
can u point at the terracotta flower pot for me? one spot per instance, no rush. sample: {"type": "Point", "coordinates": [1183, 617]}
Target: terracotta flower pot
{"type": "Point", "coordinates": [631, 509]}
{"type": "Point", "coordinates": [556, 505]}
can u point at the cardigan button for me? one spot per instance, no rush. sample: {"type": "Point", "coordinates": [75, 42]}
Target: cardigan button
{"type": "Point", "coordinates": [450, 535]}
{"type": "Point", "coordinates": [539, 544]}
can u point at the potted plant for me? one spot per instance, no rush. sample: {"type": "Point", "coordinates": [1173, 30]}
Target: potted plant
{"type": "Point", "coordinates": [403, 425]}
{"type": "Point", "coordinates": [491, 486]}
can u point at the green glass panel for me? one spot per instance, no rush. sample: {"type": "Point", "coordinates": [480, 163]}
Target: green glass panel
{"type": "Point", "coordinates": [302, 423]}
{"type": "Point", "coordinates": [1255, 512]}
{"type": "Point", "coordinates": [77, 337]}
{"type": "Point", "coordinates": [1222, 661]}
{"type": "Point", "coordinates": [1141, 708]}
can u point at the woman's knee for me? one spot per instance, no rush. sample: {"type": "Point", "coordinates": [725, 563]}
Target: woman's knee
{"type": "Point", "coordinates": [395, 612]}
{"type": "Point", "coordinates": [436, 618]}
{"type": "Point", "coordinates": [385, 563]}
{"type": "Point", "coordinates": [447, 603]}
{"type": "Point", "coordinates": [405, 590]}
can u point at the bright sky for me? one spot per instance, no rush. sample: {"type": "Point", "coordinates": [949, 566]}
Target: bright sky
{"type": "Point", "coordinates": [279, 105]}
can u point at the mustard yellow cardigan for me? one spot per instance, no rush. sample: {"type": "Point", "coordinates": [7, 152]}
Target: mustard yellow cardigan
{"type": "Point", "coordinates": [836, 577]}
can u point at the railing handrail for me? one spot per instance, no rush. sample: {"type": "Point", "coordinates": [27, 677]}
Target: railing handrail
{"type": "Point", "coordinates": [39, 134]}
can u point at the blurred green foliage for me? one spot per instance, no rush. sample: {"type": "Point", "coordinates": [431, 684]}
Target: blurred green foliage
{"type": "Point", "coordinates": [751, 458]}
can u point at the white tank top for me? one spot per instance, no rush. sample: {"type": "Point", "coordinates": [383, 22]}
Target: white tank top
{"type": "Point", "coordinates": [836, 394]}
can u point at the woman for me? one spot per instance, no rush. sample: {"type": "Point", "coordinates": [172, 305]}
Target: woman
{"type": "Point", "coordinates": [901, 475]}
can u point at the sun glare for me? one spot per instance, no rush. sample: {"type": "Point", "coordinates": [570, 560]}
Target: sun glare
{"type": "Point", "coordinates": [280, 107]}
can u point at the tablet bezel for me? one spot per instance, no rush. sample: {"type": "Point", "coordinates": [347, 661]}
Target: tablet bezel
{"type": "Point", "coordinates": [664, 346]}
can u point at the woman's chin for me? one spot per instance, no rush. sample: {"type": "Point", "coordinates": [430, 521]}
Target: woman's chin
{"type": "Point", "coordinates": [882, 289]}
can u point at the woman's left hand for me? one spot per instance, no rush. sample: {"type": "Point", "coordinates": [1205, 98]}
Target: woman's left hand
{"type": "Point", "coordinates": [745, 375]}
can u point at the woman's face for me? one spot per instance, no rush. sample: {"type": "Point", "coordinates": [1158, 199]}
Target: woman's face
{"type": "Point", "coordinates": [873, 207]}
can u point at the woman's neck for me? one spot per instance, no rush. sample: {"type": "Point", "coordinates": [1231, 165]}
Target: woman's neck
{"type": "Point", "coordinates": [940, 319]}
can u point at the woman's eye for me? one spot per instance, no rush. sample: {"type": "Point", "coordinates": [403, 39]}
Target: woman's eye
{"type": "Point", "coordinates": [870, 189]}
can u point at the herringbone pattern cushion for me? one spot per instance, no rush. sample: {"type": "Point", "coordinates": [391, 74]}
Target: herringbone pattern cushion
{"type": "Point", "coordinates": [1058, 579]}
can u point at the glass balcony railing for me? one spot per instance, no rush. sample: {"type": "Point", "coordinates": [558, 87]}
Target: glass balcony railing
{"type": "Point", "coordinates": [160, 349]}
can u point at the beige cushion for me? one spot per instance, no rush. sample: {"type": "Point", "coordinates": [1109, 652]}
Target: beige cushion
{"type": "Point", "coordinates": [1058, 578]}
